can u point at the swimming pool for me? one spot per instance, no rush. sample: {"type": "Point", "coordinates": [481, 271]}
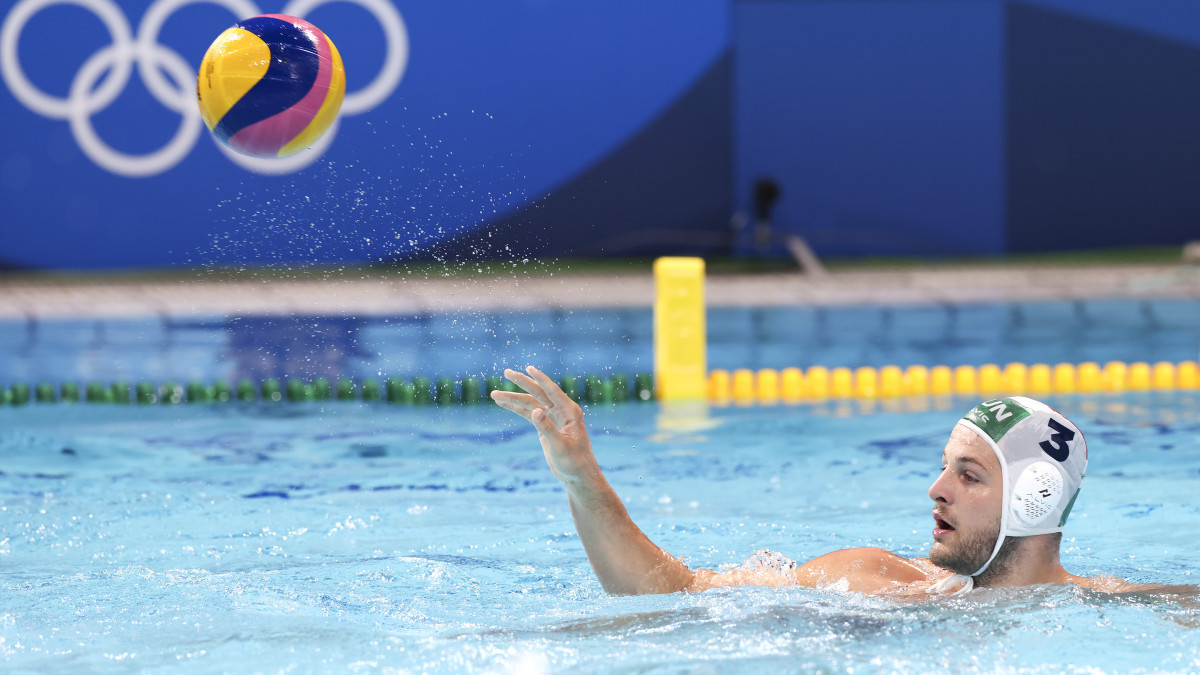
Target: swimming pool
{"type": "Point", "coordinates": [355, 537]}
{"type": "Point", "coordinates": [367, 536]}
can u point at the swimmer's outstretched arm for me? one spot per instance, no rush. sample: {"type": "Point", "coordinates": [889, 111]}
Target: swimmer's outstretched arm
{"type": "Point", "coordinates": [623, 557]}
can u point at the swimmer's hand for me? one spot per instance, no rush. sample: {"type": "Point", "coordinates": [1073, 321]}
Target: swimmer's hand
{"type": "Point", "coordinates": [624, 559]}
{"type": "Point", "coordinates": [559, 423]}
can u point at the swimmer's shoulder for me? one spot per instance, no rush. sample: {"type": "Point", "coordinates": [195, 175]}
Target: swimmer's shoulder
{"type": "Point", "coordinates": [867, 570]}
{"type": "Point", "coordinates": [1104, 583]}
{"type": "Point", "coordinates": [1109, 584]}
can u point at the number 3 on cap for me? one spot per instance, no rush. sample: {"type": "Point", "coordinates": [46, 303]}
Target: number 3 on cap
{"type": "Point", "coordinates": [1056, 447]}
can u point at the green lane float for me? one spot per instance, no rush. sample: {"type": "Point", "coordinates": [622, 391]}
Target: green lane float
{"type": "Point", "coordinates": [743, 386]}
{"type": "Point", "coordinates": [643, 387]}
{"type": "Point", "coordinates": [422, 390]}
{"type": "Point", "coordinates": [322, 391]}
{"type": "Point", "coordinates": [98, 393]}
{"type": "Point", "coordinates": [445, 391]}
{"type": "Point", "coordinates": [570, 385]}
{"type": "Point", "coordinates": [470, 390]}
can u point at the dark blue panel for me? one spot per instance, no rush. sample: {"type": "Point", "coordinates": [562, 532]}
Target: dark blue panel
{"type": "Point", "coordinates": [1103, 126]}
{"type": "Point", "coordinates": [1177, 20]}
{"type": "Point", "coordinates": [663, 192]}
{"type": "Point", "coordinates": [881, 120]}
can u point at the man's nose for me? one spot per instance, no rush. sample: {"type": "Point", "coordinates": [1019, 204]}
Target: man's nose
{"type": "Point", "coordinates": [938, 491]}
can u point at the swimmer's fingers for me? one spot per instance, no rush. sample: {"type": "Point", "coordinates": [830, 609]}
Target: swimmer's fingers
{"type": "Point", "coordinates": [528, 384]}
{"type": "Point", "coordinates": [522, 404]}
{"type": "Point", "coordinates": [528, 407]}
{"type": "Point", "coordinates": [545, 426]}
{"type": "Point", "coordinates": [515, 398]}
{"type": "Point", "coordinates": [554, 394]}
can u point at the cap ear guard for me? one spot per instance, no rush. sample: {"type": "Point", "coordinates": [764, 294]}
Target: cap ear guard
{"type": "Point", "coordinates": [1037, 492]}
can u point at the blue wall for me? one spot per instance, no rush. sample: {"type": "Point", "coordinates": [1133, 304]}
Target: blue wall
{"type": "Point", "coordinates": [971, 126]}
{"type": "Point", "coordinates": [881, 120]}
{"type": "Point", "coordinates": [566, 127]}
{"type": "Point", "coordinates": [1104, 123]}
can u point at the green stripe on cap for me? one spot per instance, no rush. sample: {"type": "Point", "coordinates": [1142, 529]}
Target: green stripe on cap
{"type": "Point", "coordinates": [1067, 511]}
{"type": "Point", "coordinates": [997, 417]}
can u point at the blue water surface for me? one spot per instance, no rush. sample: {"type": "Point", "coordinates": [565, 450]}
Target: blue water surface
{"type": "Point", "coordinates": [351, 537]}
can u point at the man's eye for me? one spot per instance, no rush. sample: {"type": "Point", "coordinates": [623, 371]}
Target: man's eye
{"type": "Point", "coordinates": [970, 478]}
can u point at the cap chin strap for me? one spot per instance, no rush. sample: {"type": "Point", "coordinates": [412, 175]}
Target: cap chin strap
{"type": "Point", "coordinates": [967, 583]}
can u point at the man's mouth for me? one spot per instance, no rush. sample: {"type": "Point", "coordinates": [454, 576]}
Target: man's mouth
{"type": "Point", "coordinates": [940, 526]}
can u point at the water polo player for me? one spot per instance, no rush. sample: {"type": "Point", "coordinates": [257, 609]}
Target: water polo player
{"type": "Point", "coordinates": [1011, 472]}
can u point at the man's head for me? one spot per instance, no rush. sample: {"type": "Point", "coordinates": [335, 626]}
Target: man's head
{"type": "Point", "coordinates": [1013, 468]}
{"type": "Point", "coordinates": [967, 496]}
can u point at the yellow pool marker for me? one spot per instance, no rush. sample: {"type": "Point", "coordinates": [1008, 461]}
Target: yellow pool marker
{"type": "Point", "coordinates": [1138, 376]}
{"type": "Point", "coordinates": [1090, 378]}
{"type": "Point", "coordinates": [991, 380]}
{"type": "Point", "coordinates": [681, 365]}
{"type": "Point", "coordinates": [916, 381]}
{"type": "Point", "coordinates": [1017, 376]}
{"type": "Point", "coordinates": [818, 382]}
{"type": "Point", "coordinates": [1114, 376]}
{"type": "Point", "coordinates": [842, 383]}
{"type": "Point", "coordinates": [792, 386]}
{"type": "Point", "coordinates": [720, 388]}
{"type": "Point", "coordinates": [891, 382]}
{"type": "Point", "coordinates": [1163, 376]}
{"type": "Point", "coordinates": [1188, 375]}
{"type": "Point", "coordinates": [680, 340]}
{"type": "Point", "coordinates": [866, 383]}
{"type": "Point", "coordinates": [966, 381]}
{"type": "Point", "coordinates": [767, 386]}
{"type": "Point", "coordinates": [941, 380]}
{"type": "Point", "coordinates": [1040, 382]}
{"type": "Point", "coordinates": [1063, 378]}
{"type": "Point", "coordinates": [743, 386]}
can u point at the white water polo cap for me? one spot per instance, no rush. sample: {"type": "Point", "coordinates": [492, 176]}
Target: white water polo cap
{"type": "Point", "coordinates": [1043, 459]}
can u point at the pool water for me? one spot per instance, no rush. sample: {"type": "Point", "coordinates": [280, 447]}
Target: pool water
{"type": "Point", "coordinates": [355, 537]}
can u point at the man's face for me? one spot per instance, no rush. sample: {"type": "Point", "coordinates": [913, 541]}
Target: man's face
{"type": "Point", "coordinates": [967, 496]}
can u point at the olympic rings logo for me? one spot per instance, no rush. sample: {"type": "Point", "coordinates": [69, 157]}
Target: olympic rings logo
{"type": "Point", "coordinates": [177, 88]}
